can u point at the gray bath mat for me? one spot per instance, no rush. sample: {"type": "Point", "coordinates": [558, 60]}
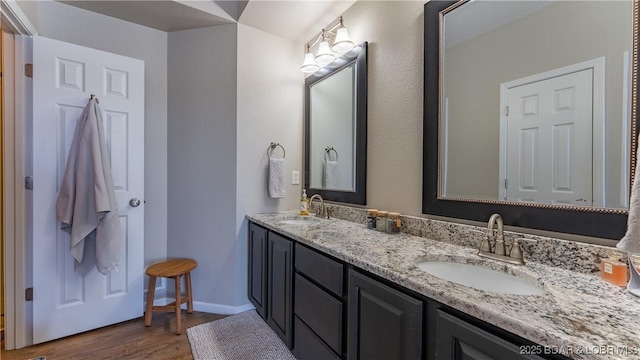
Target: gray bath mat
{"type": "Point", "coordinates": [243, 336]}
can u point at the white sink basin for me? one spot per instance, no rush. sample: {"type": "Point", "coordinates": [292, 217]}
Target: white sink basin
{"type": "Point", "coordinates": [480, 278]}
{"type": "Point", "coordinates": [300, 221]}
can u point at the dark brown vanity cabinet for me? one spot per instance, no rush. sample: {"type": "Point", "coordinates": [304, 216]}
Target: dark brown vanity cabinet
{"type": "Point", "coordinates": [383, 322]}
{"type": "Point", "coordinates": [319, 306]}
{"type": "Point", "coordinates": [271, 279]}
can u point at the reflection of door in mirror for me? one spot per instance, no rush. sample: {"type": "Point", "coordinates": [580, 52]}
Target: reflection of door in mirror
{"type": "Point", "coordinates": [487, 44]}
{"type": "Point", "coordinates": [547, 132]}
{"type": "Point", "coordinates": [332, 142]}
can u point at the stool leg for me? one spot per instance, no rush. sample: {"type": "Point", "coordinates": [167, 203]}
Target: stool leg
{"type": "Point", "coordinates": [190, 300]}
{"type": "Point", "coordinates": [178, 303]}
{"type": "Point", "coordinates": [150, 296]}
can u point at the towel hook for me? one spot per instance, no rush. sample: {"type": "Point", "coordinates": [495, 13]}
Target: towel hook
{"type": "Point", "coordinates": [327, 150]}
{"type": "Point", "coordinates": [94, 97]}
{"type": "Point", "coordinates": [272, 146]}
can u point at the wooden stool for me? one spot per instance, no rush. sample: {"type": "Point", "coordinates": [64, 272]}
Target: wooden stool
{"type": "Point", "coordinates": [170, 269]}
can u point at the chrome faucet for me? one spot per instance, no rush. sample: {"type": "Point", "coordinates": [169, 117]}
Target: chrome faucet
{"type": "Point", "coordinates": [499, 251]}
{"type": "Point", "coordinates": [322, 210]}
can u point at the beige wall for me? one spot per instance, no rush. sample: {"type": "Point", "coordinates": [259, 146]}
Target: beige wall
{"type": "Point", "coordinates": [476, 68]}
{"type": "Point", "coordinates": [269, 108]}
{"type": "Point", "coordinates": [394, 30]}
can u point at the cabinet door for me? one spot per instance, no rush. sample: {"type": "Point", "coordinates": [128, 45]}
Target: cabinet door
{"type": "Point", "coordinates": [258, 268]}
{"type": "Point", "coordinates": [458, 340]}
{"type": "Point", "coordinates": [280, 264]}
{"type": "Point", "coordinates": [383, 323]}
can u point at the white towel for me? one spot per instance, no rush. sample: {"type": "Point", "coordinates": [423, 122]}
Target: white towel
{"type": "Point", "coordinates": [331, 174]}
{"type": "Point", "coordinates": [276, 178]}
{"type": "Point", "coordinates": [86, 204]}
{"type": "Point", "coordinates": [631, 240]}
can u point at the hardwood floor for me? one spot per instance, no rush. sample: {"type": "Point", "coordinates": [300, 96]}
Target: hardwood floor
{"type": "Point", "coordinates": [127, 340]}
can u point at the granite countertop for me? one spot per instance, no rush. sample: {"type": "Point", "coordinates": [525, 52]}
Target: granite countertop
{"type": "Point", "coordinates": [579, 315]}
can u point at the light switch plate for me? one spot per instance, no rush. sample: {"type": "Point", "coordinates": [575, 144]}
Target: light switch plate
{"type": "Point", "coordinates": [295, 178]}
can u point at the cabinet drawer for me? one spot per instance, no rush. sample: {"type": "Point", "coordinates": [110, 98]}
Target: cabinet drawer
{"type": "Point", "coordinates": [307, 345]}
{"type": "Point", "coordinates": [320, 268]}
{"type": "Point", "coordinates": [458, 339]}
{"type": "Point", "coordinates": [320, 311]}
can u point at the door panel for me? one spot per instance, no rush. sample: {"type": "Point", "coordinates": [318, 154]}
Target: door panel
{"type": "Point", "coordinates": [280, 264]}
{"type": "Point", "coordinates": [458, 340]}
{"type": "Point", "coordinates": [383, 323]}
{"type": "Point", "coordinates": [257, 286]}
{"type": "Point", "coordinates": [70, 299]}
{"type": "Point", "coordinates": [549, 132]}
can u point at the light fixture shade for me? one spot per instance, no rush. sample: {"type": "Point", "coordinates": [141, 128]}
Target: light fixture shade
{"type": "Point", "coordinates": [309, 65]}
{"type": "Point", "coordinates": [325, 56]}
{"type": "Point", "coordinates": [342, 43]}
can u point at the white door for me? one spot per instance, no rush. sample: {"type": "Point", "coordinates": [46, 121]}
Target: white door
{"type": "Point", "coordinates": [549, 140]}
{"type": "Point", "coordinates": [65, 301]}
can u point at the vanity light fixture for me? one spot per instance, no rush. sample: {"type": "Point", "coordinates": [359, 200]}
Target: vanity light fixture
{"type": "Point", "coordinates": [326, 54]}
{"type": "Point", "coordinates": [309, 65]}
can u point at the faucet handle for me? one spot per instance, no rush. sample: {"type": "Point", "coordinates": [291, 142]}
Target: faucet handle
{"type": "Point", "coordinates": [485, 245]}
{"type": "Point", "coordinates": [516, 249]}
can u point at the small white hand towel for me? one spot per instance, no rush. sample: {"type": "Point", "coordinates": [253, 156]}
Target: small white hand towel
{"type": "Point", "coordinates": [331, 174]}
{"type": "Point", "coordinates": [276, 178]}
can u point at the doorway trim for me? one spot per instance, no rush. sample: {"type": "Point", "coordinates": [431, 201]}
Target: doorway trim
{"type": "Point", "coordinates": [598, 67]}
{"type": "Point", "coordinates": [15, 18]}
{"type": "Point", "coordinates": [16, 52]}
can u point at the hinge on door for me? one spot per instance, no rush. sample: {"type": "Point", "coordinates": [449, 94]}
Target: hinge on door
{"type": "Point", "coordinates": [506, 183]}
{"type": "Point", "coordinates": [28, 294]}
{"type": "Point", "coordinates": [28, 183]}
{"type": "Point", "coordinates": [28, 70]}
{"type": "Point", "coordinates": [506, 111]}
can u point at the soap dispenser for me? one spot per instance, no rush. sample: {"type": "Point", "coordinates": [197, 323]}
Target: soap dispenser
{"type": "Point", "coordinates": [304, 203]}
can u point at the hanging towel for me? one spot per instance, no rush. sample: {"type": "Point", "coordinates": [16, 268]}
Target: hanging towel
{"type": "Point", "coordinates": [86, 203]}
{"type": "Point", "coordinates": [631, 240]}
{"type": "Point", "coordinates": [331, 174]}
{"type": "Point", "coordinates": [276, 178]}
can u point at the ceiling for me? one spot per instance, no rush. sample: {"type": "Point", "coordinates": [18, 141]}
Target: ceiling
{"type": "Point", "coordinates": [165, 15]}
{"type": "Point", "coordinates": [479, 17]}
{"type": "Point", "coordinates": [296, 20]}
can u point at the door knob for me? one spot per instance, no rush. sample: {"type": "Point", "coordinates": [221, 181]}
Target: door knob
{"type": "Point", "coordinates": [134, 202]}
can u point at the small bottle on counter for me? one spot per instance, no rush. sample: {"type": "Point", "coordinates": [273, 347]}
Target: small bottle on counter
{"type": "Point", "coordinates": [614, 270]}
{"type": "Point", "coordinates": [304, 203]}
{"type": "Point", "coordinates": [372, 214]}
{"type": "Point", "coordinates": [381, 221]}
{"type": "Point", "coordinates": [393, 223]}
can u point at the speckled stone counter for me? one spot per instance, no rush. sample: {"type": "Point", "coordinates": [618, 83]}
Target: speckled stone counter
{"type": "Point", "coordinates": [579, 315]}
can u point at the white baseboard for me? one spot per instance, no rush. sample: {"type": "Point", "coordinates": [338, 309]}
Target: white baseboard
{"type": "Point", "coordinates": [209, 307]}
{"type": "Point", "coordinates": [220, 309]}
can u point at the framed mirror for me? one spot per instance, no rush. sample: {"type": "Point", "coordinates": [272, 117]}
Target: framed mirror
{"type": "Point", "coordinates": [336, 129]}
{"type": "Point", "coordinates": [530, 111]}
